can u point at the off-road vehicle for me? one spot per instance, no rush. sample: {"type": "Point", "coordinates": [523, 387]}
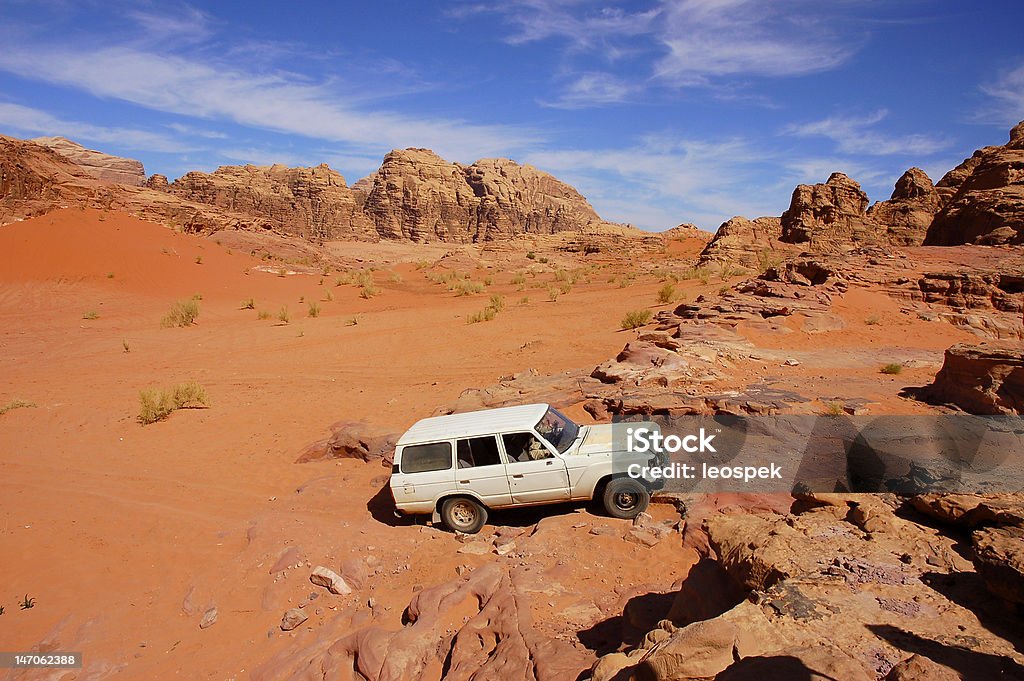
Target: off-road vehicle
{"type": "Point", "coordinates": [459, 466]}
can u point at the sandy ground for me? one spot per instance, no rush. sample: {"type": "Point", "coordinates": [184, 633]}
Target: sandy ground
{"type": "Point", "coordinates": [125, 534]}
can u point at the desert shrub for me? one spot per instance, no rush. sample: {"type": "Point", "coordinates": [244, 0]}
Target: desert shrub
{"type": "Point", "coordinates": [352, 321]}
{"type": "Point", "coordinates": [368, 291]}
{"type": "Point", "coordinates": [497, 302]}
{"type": "Point", "coordinates": [531, 255]}
{"type": "Point", "coordinates": [553, 293]}
{"type": "Point", "coordinates": [834, 409]}
{"type": "Point", "coordinates": [15, 404]}
{"type": "Point", "coordinates": [635, 319]}
{"type": "Point", "coordinates": [423, 264]}
{"type": "Point", "coordinates": [525, 300]}
{"type": "Point", "coordinates": [395, 278]}
{"type": "Point", "coordinates": [199, 260]}
{"type": "Point", "coordinates": [873, 320]}
{"type": "Point", "coordinates": [314, 310]}
{"type": "Point", "coordinates": [124, 344]}
{"type": "Point", "coordinates": [467, 287]}
{"type": "Point", "coordinates": [667, 293]}
{"type": "Point", "coordinates": [155, 405]}
{"type": "Point", "coordinates": [363, 279]}
{"type": "Point", "coordinates": [565, 287]}
{"type": "Point", "coordinates": [91, 314]}
{"type": "Point", "coordinates": [183, 313]}
{"type": "Point", "coordinates": [766, 260]}
{"type": "Point", "coordinates": [543, 260]}
{"type": "Point", "coordinates": [263, 314]}
{"type": "Point", "coordinates": [892, 369]}
{"type": "Point", "coordinates": [339, 281]}
{"type": "Point", "coordinates": [484, 315]}
{"type": "Point", "coordinates": [110, 275]}
{"type": "Point", "coordinates": [519, 279]}
{"type": "Point", "coordinates": [328, 296]}
{"type": "Point", "coordinates": [249, 304]}
{"type": "Point", "coordinates": [282, 314]}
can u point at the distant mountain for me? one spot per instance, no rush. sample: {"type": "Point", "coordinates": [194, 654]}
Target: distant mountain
{"type": "Point", "coordinates": [415, 195]}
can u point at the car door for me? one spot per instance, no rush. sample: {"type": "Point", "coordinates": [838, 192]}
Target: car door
{"type": "Point", "coordinates": [481, 470]}
{"type": "Point", "coordinates": [535, 473]}
{"type": "Point", "coordinates": [426, 471]}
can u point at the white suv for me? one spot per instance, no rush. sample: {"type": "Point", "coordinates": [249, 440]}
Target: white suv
{"type": "Point", "coordinates": [456, 467]}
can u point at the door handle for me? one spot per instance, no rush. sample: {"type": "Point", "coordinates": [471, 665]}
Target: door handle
{"type": "Point", "coordinates": [549, 463]}
{"type": "Point", "coordinates": [518, 475]}
{"type": "Point", "coordinates": [463, 482]}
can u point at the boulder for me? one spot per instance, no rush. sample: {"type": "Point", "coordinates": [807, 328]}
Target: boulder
{"type": "Point", "coordinates": [999, 560]}
{"type": "Point", "coordinates": [293, 618]}
{"type": "Point", "coordinates": [980, 379]}
{"type": "Point", "coordinates": [330, 580]}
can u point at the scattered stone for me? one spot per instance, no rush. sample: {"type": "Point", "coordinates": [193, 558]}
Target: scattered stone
{"type": "Point", "coordinates": [293, 618]}
{"type": "Point", "coordinates": [209, 618]}
{"type": "Point", "coordinates": [330, 580]}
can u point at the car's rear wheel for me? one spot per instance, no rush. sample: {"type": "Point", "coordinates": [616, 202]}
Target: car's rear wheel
{"type": "Point", "coordinates": [462, 514]}
{"type": "Point", "coordinates": [625, 498]}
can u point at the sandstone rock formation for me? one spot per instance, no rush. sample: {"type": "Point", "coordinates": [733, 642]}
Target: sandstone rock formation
{"type": "Point", "coordinates": [850, 570]}
{"type": "Point", "coordinates": [981, 379]}
{"type": "Point", "coordinates": [314, 203]}
{"type": "Point", "coordinates": [753, 244]}
{"type": "Point", "coordinates": [415, 195]}
{"type": "Point", "coordinates": [910, 210]}
{"type": "Point", "coordinates": [418, 195]}
{"type": "Point", "coordinates": [97, 164]}
{"type": "Point", "coordinates": [987, 201]}
{"type": "Point", "coordinates": [35, 179]}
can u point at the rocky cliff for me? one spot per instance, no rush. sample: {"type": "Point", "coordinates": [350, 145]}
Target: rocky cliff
{"type": "Point", "coordinates": [986, 202]}
{"type": "Point", "coordinates": [747, 243]}
{"type": "Point", "coordinates": [314, 203]}
{"type": "Point", "coordinates": [418, 195]}
{"type": "Point", "coordinates": [97, 164]}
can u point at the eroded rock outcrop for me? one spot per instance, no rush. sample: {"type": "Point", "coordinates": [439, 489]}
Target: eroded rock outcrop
{"type": "Point", "coordinates": [418, 195]}
{"type": "Point", "coordinates": [314, 203]}
{"type": "Point", "coordinates": [753, 244]}
{"type": "Point", "coordinates": [987, 201]}
{"type": "Point", "coordinates": [847, 569]}
{"type": "Point", "coordinates": [981, 379]}
{"type": "Point", "coordinates": [97, 164]}
{"type": "Point", "coordinates": [910, 210]}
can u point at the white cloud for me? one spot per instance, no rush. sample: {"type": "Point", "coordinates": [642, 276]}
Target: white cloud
{"type": "Point", "coordinates": [595, 88]}
{"type": "Point", "coordinates": [855, 135]}
{"type": "Point", "coordinates": [276, 101]}
{"type": "Point", "coordinates": [574, 21]}
{"type": "Point", "coordinates": [1007, 91]}
{"type": "Point", "coordinates": [35, 122]}
{"type": "Point", "coordinates": [708, 39]}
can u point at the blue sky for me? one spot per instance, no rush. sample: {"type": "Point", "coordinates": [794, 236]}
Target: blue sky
{"type": "Point", "coordinates": [660, 112]}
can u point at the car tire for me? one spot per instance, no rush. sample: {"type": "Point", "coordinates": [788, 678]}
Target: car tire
{"type": "Point", "coordinates": [462, 514]}
{"type": "Point", "coordinates": [625, 498]}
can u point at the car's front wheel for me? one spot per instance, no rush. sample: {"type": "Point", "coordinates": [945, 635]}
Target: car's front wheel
{"type": "Point", "coordinates": [461, 514]}
{"type": "Point", "coordinates": [625, 498]}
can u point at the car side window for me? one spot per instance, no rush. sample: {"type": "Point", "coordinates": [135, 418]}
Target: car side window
{"type": "Point", "coordinates": [436, 456]}
{"type": "Point", "coordinates": [525, 447]}
{"type": "Point", "coordinates": [478, 451]}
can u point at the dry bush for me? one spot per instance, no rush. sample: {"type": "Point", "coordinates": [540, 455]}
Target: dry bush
{"type": "Point", "coordinates": [183, 313]}
{"type": "Point", "coordinates": [155, 405]}
{"type": "Point", "coordinates": [635, 319]}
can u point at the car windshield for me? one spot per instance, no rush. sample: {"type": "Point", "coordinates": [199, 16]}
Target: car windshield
{"type": "Point", "coordinates": [558, 430]}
